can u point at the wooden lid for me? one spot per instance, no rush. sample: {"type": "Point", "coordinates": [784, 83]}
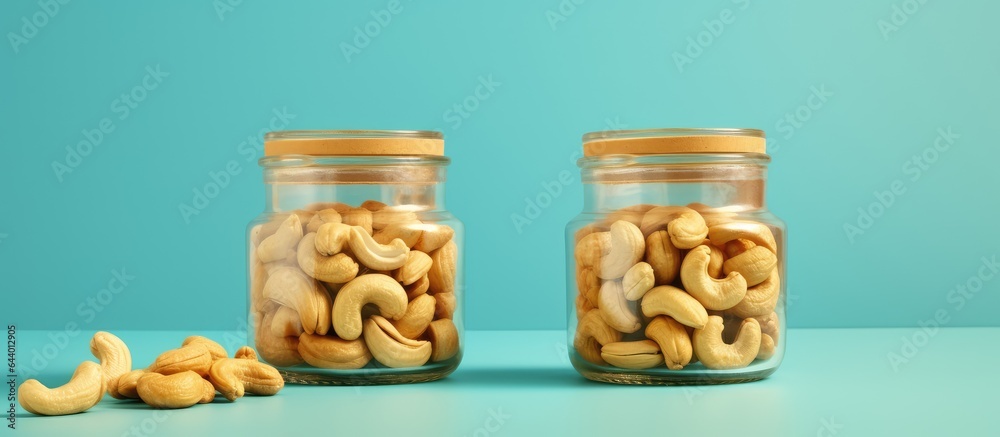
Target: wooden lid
{"type": "Point", "coordinates": [354, 143]}
{"type": "Point", "coordinates": [674, 141]}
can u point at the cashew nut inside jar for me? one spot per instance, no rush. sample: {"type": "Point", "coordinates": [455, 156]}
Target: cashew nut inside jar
{"type": "Point", "coordinates": [355, 266]}
{"type": "Point", "coordinates": [675, 267]}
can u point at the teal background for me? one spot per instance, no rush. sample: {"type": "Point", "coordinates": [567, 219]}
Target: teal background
{"type": "Point", "coordinates": [602, 65]}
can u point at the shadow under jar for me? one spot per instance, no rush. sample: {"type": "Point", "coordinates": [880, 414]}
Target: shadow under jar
{"type": "Point", "coordinates": [355, 265]}
{"type": "Point", "coordinates": [676, 269]}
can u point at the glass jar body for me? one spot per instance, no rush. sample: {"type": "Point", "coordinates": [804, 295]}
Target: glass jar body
{"type": "Point", "coordinates": [652, 266]}
{"type": "Point", "coordinates": [355, 271]}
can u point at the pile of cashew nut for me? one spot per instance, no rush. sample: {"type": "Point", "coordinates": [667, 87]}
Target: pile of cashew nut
{"type": "Point", "coordinates": [178, 378]}
{"type": "Point", "coordinates": [334, 286]}
{"type": "Point", "coordinates": [675, 285]}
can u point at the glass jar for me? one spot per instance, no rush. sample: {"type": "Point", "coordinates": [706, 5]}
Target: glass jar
{"type": "Point", "coordinates": [675, 267]}
{"type": "Point", "coordinates": [355, 265]}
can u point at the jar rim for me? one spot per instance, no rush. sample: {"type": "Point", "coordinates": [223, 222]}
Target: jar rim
{"type": "Point", "coordinates": [674, 141]}
{"type": "Point", "coordinates": [629, 160]}
{"type": "Point", "coordinates": [354, 143]}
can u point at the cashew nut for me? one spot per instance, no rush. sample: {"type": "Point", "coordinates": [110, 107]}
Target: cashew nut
{"type": "Point", "coordinates": [84, 390]}
{"type": "Point", "coordinates": [760, 299]}
{"type": "Point", "coordinates": [641, 354]}
{"type": "Point", "coordinates": [406, 232]}
{"type": "Point", "coordinates": [127, 384]}
{"type": "Point", "coordinates": [417, 288]}
{"type": "Point", "coordinates": [583, 306]}
{"type": "Point", "coordinates": [331, 238]}
{"type": "Point", "coordinates": [286, 323]}
{"type": "Point", "coordinates": [377, 256]}
{"type": "Point", "coordinates": [391, 348]}
{"type": "Point", "coordinates": [588, 284]}
{"type": "Point", "coordinates": [714, 353]}
{"type": "Point", "coordinates": [418, 316]}
{"type": "Point", "coordinates": [337, 269]}
{"type": "Point", "coordinates": [417, 265]}
{"type": "Point", "coordinates": [333, 353]}
{"type": "Point", "coordinates": [591, 334]}
{"type": "Point", "coordinates": [758, 233]}
{"type": "Point", "coordinates": [767, 347]}
{"type": "Point", "coordinates": [714, 294]}
{"type": "Point", "coordinates": [177, 390]}
{"type": "Point", "coordinates": [388, 216]}
{"type": "Point", "coordinates": [443, 336]}
{"type": "Point", "coordinates": [195, 357]}
{"type": "Point", "coordinates": [373, 205]}
{"type": "Point", "coordinates": [276, 247]}
{"type": "Point", "coordinates": [769, 325]}
{"type": "Point", "coordinates": [214, 348]}
{"type": "Point", "coordinates": [663, 257]}
{"type": "Point", "coordinates": [617, 311]}
{"type": "Point", "coordinates": [432, 237]}
{"type": "Point", "coordinates": [687, 228]}
{"type": "Point", "coordinates": [115, 359]}
{"type": "Point", "coordinates": [673, 340]}
{"type": "Point", "coordinates": [443, 267]}
{"type": "Point", "coordinates": [444, 307]}
{"type": "Point", "coordinates": [674, 302]}
{"type": "Point", "coordinates": [245, 353]}
{"type": "Point", "coordinates": [322, 217]}
{"type": "Point", "coordinates": [377, 289]}
{"type": "Point", "coordinates": [737, 246]}
{"type": "Point", "coordinates": [626, 248]}
{"type": "Point", "coordinates": [280, 351]}
{"type": "Point", "coordinates": [291, 288]}
{"type": "Point", "coordinates": [357, 217]}
{"type": "Point", "coordinates": [233, 377]}
{"type": "Point", "coordinates": [755, 264]}
{"type": "Point", "coordinates": [637, 281]}
{"type": "Point", "coordinates": [716, 261]}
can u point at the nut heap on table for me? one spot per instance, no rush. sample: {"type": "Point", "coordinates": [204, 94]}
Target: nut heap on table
{"type": "Point", "coordinates": [669, 285]}
{"type": "Point", "coordinates": [335, 286]}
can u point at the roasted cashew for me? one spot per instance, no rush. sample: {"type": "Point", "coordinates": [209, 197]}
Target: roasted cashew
{"type": "Point", "coordinates": [391, 348]}
{"type": "Point", "coordinates": [333, 353]}
{"type": "Point", "coordinates": [214, 348]}
{"type": "Point", "coordinates": [276, 247]}
{"type": "Point", "coordinates": [127, 384]}
{"type": "Point", "coordinates": [686, 228]}
{"type": "Point", "coordinates": [760, 299]}
{"type": "Point", "coordinates": [377, 256]}
{"type": "Point", "coordinates": [418, 316]}
{"type": "Point", "coordinates": [737, 246]}
{"type": "Point", "coordinates": [588, 284]}
{"type": "Point", "coordinates": [714, 294]}
{"type": "Point", "coordinates": [673, 339]}
{"type": "Point", "coordinates": [291, 288]}
{"type": "Point", "coordinates": [674, 302]}
{"type": "Point", "coordinates": [663, 257]}
{"type": "Point", "coordinates": [84, 390]}
{"type": "Point", "coordinates": [443, 336]}
{"type": "Point", "coordinates": [638, 280]}
{"type": "Point", "coordinates": [640, 354]}
{"type": "Point", "coordinates": [337, 269]}
{"type": "Point", "coordinates": [280, 351]}
{"type": "Point", "coordinates": [432, 236]}
{"type": "Point", "coordinates": [373, 205]}
{"type": "Point", "coordinates": [357, 217]}
{"type": "Point", "coordinates": [617, 311]}
{"type": "Point", "coordinates": [769, 325]}
{"type": "Point", "coordinates": [767, 347]}
{"type": "Point", "coordinates": [758, 233]}
{"type": "Point", "coordinates": [234, 376]}
{"type": "Point", "coordinates": [377, 289]}
{"type": "Point", "coordinates": [245, 353]}
{"type": "Point", "coordinates": [716, 262]}
{"type": "Point", "coordinates": [755, 264]}
{"type": "Point", "coordinates": [417, 288]}
{"type": "Point", "coordinates": [177, 390]}
{"type": "Point", "coordinates": [627, 247]}
{"type": "Point", "coordinates": [115, 359]}
{"type": "Point", "coordinates": [331, 238]}
{"type": "Point", "coordinates": [195, 357]}
{"type": "Point", "coordinates": [417, 265]}
{"type": "Point", "coordinates": [443, 268]}
{"type": "Point", "coordinates": [389, 216]}
{"type": "Point", "coordinates": [592, 332]}
{"type": "Point", "coordinates": [444, 307]}
{"type": "Point", "coordinates": [409, 233]}
{"type": "Point", "coordinates": [714, 353]}
{"type": "Point", "coordinates": [322, 217]}
{"type": "Point", "coordinates": [286, 323]}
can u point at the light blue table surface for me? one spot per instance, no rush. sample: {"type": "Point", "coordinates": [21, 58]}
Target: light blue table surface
{"type": "Point", "coordinates": [832, 382]}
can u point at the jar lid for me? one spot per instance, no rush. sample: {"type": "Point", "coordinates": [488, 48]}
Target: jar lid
{"type": "Point", "coordinates": [674, 141]}
{"type": "Point", "coordinates": [354, 143]}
